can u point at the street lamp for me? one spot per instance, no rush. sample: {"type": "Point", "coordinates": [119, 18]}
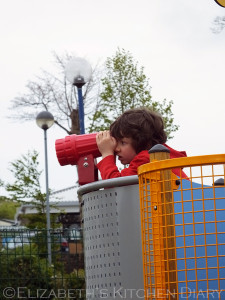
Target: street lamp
{"type": "Point", "coordinates": [78, 71]}
{"type": "Point", "coordinates": [45, 120]}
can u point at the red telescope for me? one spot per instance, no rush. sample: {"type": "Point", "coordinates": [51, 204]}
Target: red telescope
{"type": "Point", "coordinates": [79, 150]}
{"type": "Point", "coordinates": [70, 149]}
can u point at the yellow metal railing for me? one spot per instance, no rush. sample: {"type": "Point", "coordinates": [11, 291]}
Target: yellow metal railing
{"type": "Point", "coordinates": [183, 227]}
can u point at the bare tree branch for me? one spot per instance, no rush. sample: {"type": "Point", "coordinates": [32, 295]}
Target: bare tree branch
{"type": "Point", "coordinates": [52, 92]}
{"type": "Point", "coordinates": [218, 24]}
{"type": "Point", "coordinates": [56, 122]}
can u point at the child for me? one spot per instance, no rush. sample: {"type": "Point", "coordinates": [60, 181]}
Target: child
{"type": "Point", "coordinates": [130, 137]}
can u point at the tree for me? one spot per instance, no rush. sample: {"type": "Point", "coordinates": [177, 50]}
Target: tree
{"type": "Point", "coordinates": [26, 187]}
{"type": "Point", "coordinates": [126, 86]}
{"type": "Point", "coordinates": [7, 208]}
{"type": "Point", "coordinates": [27, 180]}
{"type": "Point", "coordinates": [54, 93]}
{"type": "Point", "coordinates": [123, 86]}
{"type": "Point", "coordinates": [218, 24]}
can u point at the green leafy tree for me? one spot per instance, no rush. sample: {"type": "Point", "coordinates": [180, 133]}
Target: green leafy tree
{"type": "Point", "coordinates": [7, 208]}
{"type": "Point", "coordinates": [26, 187]}
{"type": "Point", "coordinates": [126, 86]}
{"type": "Point", "coordinates": [27, 180]}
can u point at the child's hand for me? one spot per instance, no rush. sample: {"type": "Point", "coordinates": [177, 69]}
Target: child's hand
{"type": "Point", "coordinates": [106, 143]}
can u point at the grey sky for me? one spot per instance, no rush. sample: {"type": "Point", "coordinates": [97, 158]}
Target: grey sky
{"type": "Point", "coordinates": [171, 39]}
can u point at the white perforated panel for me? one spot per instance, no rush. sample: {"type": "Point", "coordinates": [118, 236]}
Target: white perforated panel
{"type": "Point", "coordinates": [102, 248]}
{"type": "Point", "coordinates": [112, 243]}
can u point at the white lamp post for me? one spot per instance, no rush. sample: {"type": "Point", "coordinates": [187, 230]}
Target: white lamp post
{"type": "Point", "coordinates": [45, 120]}
{"type": "Point", "coordinates": [78, 71]}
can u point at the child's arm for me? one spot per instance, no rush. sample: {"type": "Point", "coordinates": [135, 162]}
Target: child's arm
{"type": "Point", "coordinates": [108, 168]}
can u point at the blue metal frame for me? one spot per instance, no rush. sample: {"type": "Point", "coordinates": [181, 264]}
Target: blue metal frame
{"type": "Point", "coordinates": [81, 110]}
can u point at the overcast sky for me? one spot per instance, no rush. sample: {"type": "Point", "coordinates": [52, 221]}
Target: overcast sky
{"type": "Point", "coordinates": [171, 39]}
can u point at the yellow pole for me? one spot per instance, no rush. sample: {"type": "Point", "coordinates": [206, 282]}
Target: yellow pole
{"type": "Point", "coordinates": [163, 227]}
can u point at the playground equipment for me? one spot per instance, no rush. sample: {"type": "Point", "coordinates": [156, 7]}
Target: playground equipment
{"type": "Point", "coordinates": [163, 238]}
{"type": "Point", "coordinates": [183, 227]}
{"type": "Point", "coordinates": [79, 150]}
{"type": "Point", "coordinates": [112, 239]}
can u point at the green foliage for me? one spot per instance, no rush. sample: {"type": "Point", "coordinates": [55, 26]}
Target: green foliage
{"type": "Point", "coordinates": [75, 281]}
{"type": "Point", "coordinates": [27, 180]}
{"type": "Point", "coordinates": [38, 221]}
{"type": "Point", "coordinates": [24, 270]}
{"type": "Point", "coordinates": [29, 275]}
{"type": "Point", "coordinates": [26, 188]}
{"type": "Point", "coordinates": [7, 209]}
{"type": "Point", "coordinates": [126, 86]}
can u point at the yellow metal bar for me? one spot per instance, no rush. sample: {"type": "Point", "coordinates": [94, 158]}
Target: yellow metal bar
{"type": "Point", "coordinates": [182, 162]}
{"type": "Point", "coordinates": [157, 235]}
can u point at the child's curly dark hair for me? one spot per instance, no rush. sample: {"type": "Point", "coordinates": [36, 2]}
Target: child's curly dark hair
{"type": "Point", "coordinates": [143, 125]}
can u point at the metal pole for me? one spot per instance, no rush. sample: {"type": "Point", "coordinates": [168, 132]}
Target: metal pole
{"type": "Point", "coordinates": [47, 201]}
{"type": "Point", "coordinates": [81, 110]}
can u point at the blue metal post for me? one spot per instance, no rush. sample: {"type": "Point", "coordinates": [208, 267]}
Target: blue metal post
{"type": "Point", "coordinates": [81, 110]}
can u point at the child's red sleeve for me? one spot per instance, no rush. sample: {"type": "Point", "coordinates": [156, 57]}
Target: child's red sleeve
{"type": "Point", "coordinates": [108, 168]}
